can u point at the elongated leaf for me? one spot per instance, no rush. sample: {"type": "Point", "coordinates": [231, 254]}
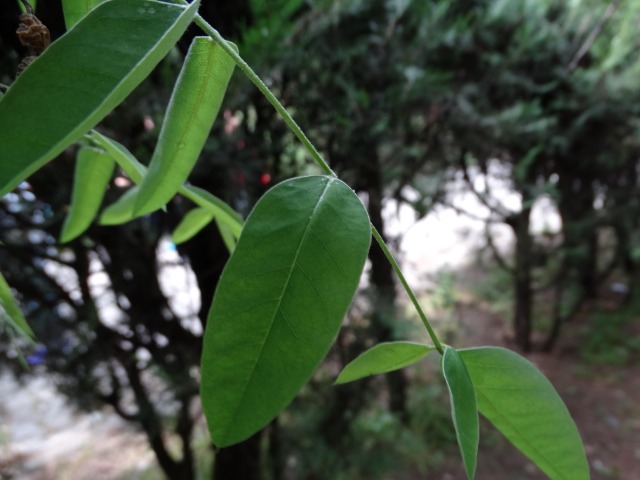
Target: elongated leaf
{"type": "Point", "coordinates": [519, 400]}
{"type": "Point", "coordinates": [136, 172]}
{"type": "Point", "coordinates": [74, 10]}
{"type": "Point", "coordinates": [194, 221]}
{"type": "Point", "coordinates": [93, 172]}
{"type": "Point", "coordinates": [123, 157]}
{"type": "Point", "coordinates": [382, 358]}
{"type": "Point", "coordinates": [230, 240]}
{"type": "Point", "coordinates": [80, 78]}
{"type": "Point", "coordinates": [280, 302]}
{"type": "Point", "coordinates": [193, 107]}
{"type": "Point", "coordinates": [464, 409]}
{"type": "Point", "coordinates": [11, 309]}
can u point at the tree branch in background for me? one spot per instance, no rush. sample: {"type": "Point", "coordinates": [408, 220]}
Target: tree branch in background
{"type": "Point", "coordinates": [597, 29]}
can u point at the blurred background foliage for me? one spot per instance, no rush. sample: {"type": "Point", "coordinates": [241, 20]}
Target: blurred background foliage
{"type": "Point", "coordinates": [404, 98]}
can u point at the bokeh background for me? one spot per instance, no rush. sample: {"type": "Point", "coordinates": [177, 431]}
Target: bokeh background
{"type": "Point", "coordinates": [496, 145]}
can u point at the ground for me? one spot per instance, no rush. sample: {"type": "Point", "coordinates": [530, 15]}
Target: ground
{"type": "Point", "coordinates": [41, 439]}
{"type": "Point", "coordinates": [601, 398]}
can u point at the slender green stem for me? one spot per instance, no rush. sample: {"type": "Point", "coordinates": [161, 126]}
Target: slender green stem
{"type": "Point", "coordinates": [257, 81]}
{"type": "Point", "coordinates": [412, 296]}
{"type": "Point", "coordinates": [288, 119]}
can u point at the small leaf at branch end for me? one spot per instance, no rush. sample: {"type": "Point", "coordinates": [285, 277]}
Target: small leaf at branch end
{"type": "Point", "coordinates": [464, 409]}
{"type": "Point", "coordinates": [194, 221]}
{"type": "Point", "coordinates": [383, 358]}
{"type": "Point", "coordinates": [280, 302]}
{"type": "Point", "coordinates": [228, 238]}
{"type": "Point", "coordinates": [520, 402]}
{"type": "Point", "coordinates": [12, 310]}
{"type": "Point", "coordinates": [93, 172]}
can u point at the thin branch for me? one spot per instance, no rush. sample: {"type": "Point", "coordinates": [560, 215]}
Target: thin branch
{"type": "Point", "coordinates": [597, 29]}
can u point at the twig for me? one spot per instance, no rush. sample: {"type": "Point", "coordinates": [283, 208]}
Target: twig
{"type": "Point", "coordinates": [597, 29]}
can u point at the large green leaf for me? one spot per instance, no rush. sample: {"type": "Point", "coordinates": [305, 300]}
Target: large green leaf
{"type": "Point", "coordinates": [193, 107]}
{"type": "Point", "coordinates": [382, 358]}
{"type": "Point", "coordinates": [464, 409]}
{"type": "Point", "coordinates": [280, 302]}
{"type": "Point", "coordinates": [80, 78]}
{"type": "Point", "coordinates": [93, 172]}
{"type": "Point", "coordinates": [519, 400]}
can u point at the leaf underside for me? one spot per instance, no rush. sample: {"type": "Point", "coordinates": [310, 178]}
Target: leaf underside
{"type": "Point", "coordinates": [464, 409]}
{"type": "Point", "coordinates": [280, 302]}
{"type": "Point", "coordinates": [521, 402]}
{"type": "Point", "coordinates": [382, 358]}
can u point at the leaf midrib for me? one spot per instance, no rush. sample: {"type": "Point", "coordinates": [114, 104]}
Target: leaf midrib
{"type": "Point", "coordinates": [307, 229]}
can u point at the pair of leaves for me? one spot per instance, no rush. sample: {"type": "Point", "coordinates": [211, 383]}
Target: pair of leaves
{"type": "Point", "coordinates": [507, 389]}
{"type": "Point", "coordinates": [81, 77]}
{"type": "Point", "coordinates": [229, 222]}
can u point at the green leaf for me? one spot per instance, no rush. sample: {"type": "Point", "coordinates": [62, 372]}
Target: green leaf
{"type": "Point", "coordinates": [193, 107]}
{"type": "Point", "coordinates": [136, 172]}
{"type": "Point", "coordinates": [280, 302]}
{"type": "Point", "coordinates": [81, 77]}
{"type": "Point", "coordinates": [464, 409]}
{"type": "Point", "coordinates": [519, 400]}
{"type": "Point", "coordinates": [223, 212]}
{"type": "Point", "coordinates": [124, 158]}
{"type": "Point", "coordinates": [382, 358]}
{"type": "Point", "coordinates": [121, 211]}
{"type": "Point", "coordinates": [229, 239]}
{"type": "Point", "coordinates": [194, 221]}
{"type": "Point", "coordinates": [93, 172]}
{"type": "Point", "coordinates": [12, 311]}
{"type": "Point", "coordinates": [74, 10]}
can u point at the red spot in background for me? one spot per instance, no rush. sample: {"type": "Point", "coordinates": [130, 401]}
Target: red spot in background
{"type": "Point", "coordinates": [265, 179]}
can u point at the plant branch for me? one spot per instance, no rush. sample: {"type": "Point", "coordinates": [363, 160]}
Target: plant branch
{"type": "Point", "coordinates": [257, 81]}
{"type": "Point", "coordinates": [291, 123]}
{"type": "Point", "coordinates": [597, 29]}
{"type": "Point", "coordinates": [414, 300]}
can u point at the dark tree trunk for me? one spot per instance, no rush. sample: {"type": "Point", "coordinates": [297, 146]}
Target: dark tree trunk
{"type": "Point", "coordinates": [523, 294]}
{"type": "Point", "coordinates": [382, 280]}
{"type": "Point", "coordinates": [241, 461]}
